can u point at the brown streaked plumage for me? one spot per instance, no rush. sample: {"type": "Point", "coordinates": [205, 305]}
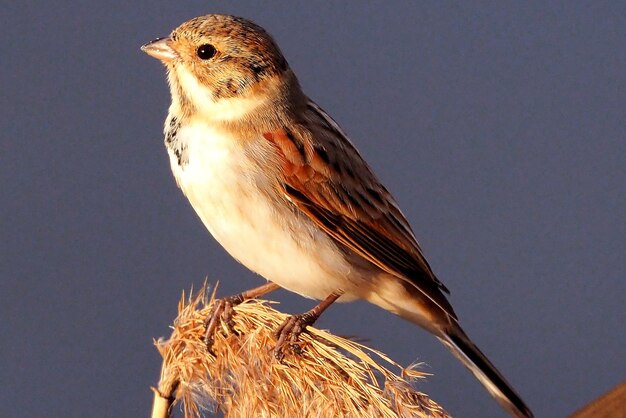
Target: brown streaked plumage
{"type": "Point", "coordinates": [340, 201]}
{"type": "Point", "coordinates": [283, 190]}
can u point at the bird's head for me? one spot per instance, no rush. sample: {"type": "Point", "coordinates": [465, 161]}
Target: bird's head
{"type": "Point", "coordinates": [223, 67]}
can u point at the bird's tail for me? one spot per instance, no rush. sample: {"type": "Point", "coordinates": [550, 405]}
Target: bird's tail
{"type": "Point", "coordinates": [465, 350]}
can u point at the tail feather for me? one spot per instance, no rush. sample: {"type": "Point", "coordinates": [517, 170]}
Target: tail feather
{"type": "Point", "coordinates": [410, 304]}
{"type": "Point", "coordinates": [466, 351]}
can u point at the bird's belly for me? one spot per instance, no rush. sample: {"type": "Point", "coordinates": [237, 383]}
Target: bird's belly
{"type": "Point", "coordinates": [264, 236]}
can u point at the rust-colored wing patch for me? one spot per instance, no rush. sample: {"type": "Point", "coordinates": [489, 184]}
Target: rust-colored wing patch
{"type": "Point", "coordinates": [327, 179]}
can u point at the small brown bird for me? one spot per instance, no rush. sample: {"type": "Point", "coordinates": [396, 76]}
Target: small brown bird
{"type": "Point", "coordinates": [280, 186]}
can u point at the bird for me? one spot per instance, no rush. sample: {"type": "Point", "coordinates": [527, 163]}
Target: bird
{"type": "Point", "coordinates": [281, 187]}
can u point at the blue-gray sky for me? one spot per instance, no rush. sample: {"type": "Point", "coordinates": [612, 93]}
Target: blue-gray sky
{"type": "Point", "coordinates": [499, 127]}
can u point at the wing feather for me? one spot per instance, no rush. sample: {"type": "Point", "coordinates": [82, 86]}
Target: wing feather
{"type": "Point", "coordinates": [327, 179]}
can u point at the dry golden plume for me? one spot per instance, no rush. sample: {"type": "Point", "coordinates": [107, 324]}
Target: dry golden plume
{"type": "Point", "coordinates": [326, 376]}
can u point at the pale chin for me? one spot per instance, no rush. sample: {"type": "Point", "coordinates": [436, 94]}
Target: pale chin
{"type": "Point", "coordinates": [225, 109]}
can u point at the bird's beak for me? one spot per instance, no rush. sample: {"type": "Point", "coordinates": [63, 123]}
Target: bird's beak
{"type": "Point", "coordinates": [161, 49]}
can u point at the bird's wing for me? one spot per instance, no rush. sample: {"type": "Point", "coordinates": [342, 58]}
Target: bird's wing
{"type": "Point", "coordinates": [327, 179]}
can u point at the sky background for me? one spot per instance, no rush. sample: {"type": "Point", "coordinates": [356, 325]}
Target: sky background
{"type": "Point", "coordinates": [499, 127]}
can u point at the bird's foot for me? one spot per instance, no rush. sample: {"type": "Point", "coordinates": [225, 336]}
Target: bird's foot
{"type": "Point", "coordinates": [222, 312]}
{"type": "Point", "coordinates": [288, 333]}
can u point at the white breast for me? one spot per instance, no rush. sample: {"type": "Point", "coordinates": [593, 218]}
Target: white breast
{"type": "Point", "coordinates": [223, 187]}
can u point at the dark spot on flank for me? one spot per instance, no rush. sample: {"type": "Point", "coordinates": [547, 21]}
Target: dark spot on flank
{"type": "Point", "coordinates": [172, 130]}
{"type": "Point", "coordinates": [181, 155]}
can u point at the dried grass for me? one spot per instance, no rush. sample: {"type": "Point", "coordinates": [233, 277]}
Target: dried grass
{"type": "Point", "coordinates": [329, 377]}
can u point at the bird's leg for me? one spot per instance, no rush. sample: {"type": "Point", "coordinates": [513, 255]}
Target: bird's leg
{"type": "Point", "coordinates": [293, 326]}
{"type": "Point", "coordinates": [223, 308]}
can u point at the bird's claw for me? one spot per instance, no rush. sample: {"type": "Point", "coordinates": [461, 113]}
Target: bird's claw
{"type": "Point", "coordinates": [288, 333]}
{"type": "Point", "coordinates": [222, 312]}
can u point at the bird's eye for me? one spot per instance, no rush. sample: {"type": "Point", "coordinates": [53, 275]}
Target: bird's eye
{"type": "Point", "coordinates": [206, 51]}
